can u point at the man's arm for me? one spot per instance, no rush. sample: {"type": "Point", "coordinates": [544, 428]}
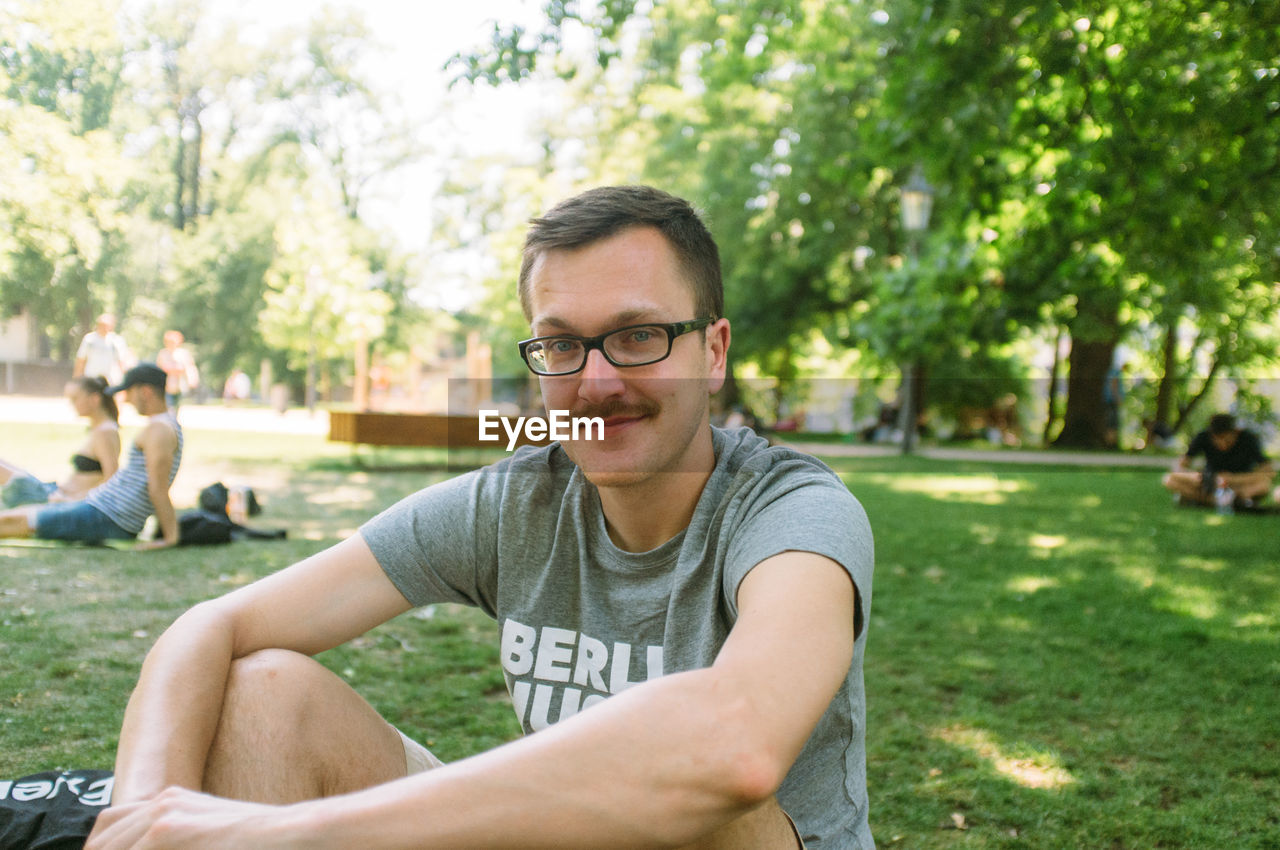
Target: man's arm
{"type": "Point", "coordinates": [172, 715]}
{"type": "Point", "coordinates": [657, 765]}
{"type": "Point", "coordinates": [158, 443]}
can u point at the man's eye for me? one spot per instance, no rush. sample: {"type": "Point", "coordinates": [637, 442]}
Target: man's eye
{"type": "Point", "coordinates": [562, 346]}
{"type": "Point", "coordinates": [638, 337]}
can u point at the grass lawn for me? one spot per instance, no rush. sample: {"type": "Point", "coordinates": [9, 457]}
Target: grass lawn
{"type": "Point", "coordinates": [1057, 657]}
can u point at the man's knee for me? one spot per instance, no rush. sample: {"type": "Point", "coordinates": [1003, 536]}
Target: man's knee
{"type": "Point", "coordinates": [286, 716]}
{"type": "Point", "coordinates": [270, 674]}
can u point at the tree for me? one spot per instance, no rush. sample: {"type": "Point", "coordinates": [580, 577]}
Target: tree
{"type": "Point", "coordinates": [60, 214]}
{"type": "Point", "coordinates": [1084, 158]}
{"type": "Point", "coordinates": [320, 297]}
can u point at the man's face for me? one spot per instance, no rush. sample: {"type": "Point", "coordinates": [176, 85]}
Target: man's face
{"type": "Point", "coordinates": [654, 415]}
{"type": "Point", "coordinates": [1224, 441]}
{"type": "Point", "coordinates": [140, 395]}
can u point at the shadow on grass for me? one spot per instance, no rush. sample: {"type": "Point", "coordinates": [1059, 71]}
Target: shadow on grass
{"type": "Point", "coordinates": [1062, 659]}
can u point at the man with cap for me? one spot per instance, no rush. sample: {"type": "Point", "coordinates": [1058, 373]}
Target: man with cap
{"type": "Point", "coordinates": [118, 508]}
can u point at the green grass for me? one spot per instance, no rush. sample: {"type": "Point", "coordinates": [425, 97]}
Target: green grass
{"type": "Point", "coordinates": [1057, 657]}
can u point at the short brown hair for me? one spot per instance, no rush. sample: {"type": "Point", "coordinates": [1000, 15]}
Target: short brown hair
{"type": "Point", "coordinates": [1222, 423]}
{"type": "Point", "coordinates": [602, 212]}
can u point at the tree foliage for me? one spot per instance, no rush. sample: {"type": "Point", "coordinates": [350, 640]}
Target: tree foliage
{"type": "Point", "coordinates": [156, 165]}
{"type": "Point", "coordinates": [1106, 168]}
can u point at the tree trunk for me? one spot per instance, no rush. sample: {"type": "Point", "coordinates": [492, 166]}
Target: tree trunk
{"type": "Point", "coordinates": [1051, 417]}
{"type": "Point", "coordinates": [1168, 379]}
{"type": "Point", "coordinates": [193, 179]}
{"type": "Point", "coordinates": [180, 181]}
{"type": "Point", "coordinates": [1084, 423]}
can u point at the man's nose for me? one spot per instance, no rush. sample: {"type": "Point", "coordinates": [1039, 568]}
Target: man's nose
{"type": "Point", "coordinates": [599, 379]}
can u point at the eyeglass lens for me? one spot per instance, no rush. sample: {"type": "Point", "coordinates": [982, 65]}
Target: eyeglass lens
{"type": "Point", "coordinates": [628, 347]}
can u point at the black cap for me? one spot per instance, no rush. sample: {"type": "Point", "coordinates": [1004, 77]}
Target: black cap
{"type": "Point", "coordinates": [143, 373]}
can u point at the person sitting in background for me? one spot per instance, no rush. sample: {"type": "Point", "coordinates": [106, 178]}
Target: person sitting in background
{"type": "Point", "coordinates": [92, 463]}
{"type": "Point", "coordinates": [1234, 463]}
{"type": "Point", "coordinates": [118, 508]}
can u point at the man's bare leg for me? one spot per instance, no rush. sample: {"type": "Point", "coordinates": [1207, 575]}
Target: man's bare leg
{"type": "Point", "coordinates": [292, 730]}
{"type": "Point", "coordinates": [1248, 485]}
{"type": "Point", "coordinates": [766, 828]}
{"type": "Point", "coordinates": [1186, 485]}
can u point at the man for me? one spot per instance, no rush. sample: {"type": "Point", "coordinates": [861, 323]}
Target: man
{"type": "Point", "coordinates": [117, 509]}
{"type": "Point", "coordinates": [1233, 460]}
{"type": "Point", "coordinates": [682, 612]}
{"type": "Point", "coordinates": [102, 352]}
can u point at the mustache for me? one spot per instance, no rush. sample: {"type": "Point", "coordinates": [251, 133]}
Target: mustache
{"type": "Point", "coordinates": [611, 409]}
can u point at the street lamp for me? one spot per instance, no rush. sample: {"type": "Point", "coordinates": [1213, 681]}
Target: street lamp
{"type": "Point", "coordinates": [313, 283]}
{"type": "Point", "coordinates": [917, 204]}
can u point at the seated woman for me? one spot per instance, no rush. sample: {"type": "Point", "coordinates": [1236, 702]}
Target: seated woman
{"type": "Point", "coordinates": [93, 462]}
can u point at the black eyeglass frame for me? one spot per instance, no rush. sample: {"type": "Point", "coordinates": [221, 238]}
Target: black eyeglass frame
{"type": "Point", "coordinates": [672, 329]}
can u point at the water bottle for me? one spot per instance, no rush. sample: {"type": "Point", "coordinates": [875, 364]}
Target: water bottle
{"type": "Point", "coordinates": [1224, 498]}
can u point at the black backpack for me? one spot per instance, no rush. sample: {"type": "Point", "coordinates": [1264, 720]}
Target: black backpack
{"type": "Point", "coordinates": [202, 528]}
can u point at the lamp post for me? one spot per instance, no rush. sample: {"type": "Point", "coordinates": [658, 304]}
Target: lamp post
{"type": "Point", "coordinates": [917, 204]}
{"type": "Point", "coordinates": [312, 283]}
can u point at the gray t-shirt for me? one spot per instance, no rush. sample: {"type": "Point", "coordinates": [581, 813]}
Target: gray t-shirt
{"type": "Point", "coordinates": [525, 540]}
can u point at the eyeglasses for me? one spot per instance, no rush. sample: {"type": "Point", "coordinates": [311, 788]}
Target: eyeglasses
{"type": "Point", "coordinates": [634, 345]}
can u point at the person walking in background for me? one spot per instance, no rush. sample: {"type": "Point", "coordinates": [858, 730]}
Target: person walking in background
{"type": "Point", "coordinates": [179, 367]}
{"type": "Point", "coordinates": [94, 461]}
{"type": "Point", "coordinates": [102, 352]}
{"type": "Point", "coordinates": [1235, 467]}
{"type": "Point", "coordinates": [117, 509]}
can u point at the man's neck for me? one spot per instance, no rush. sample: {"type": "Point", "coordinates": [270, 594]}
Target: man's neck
{"type": "Point", "coordinates": [643, 516]}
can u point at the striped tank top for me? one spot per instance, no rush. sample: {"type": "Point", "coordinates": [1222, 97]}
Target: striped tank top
{"type": "Point", "coordinates": [123, 497]}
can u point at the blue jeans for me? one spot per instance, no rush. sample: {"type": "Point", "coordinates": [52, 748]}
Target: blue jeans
{"type": "Point", "coordinates": [77, 521]}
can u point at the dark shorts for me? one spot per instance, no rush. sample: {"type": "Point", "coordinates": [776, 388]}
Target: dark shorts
{"type": "Point", "coordinates": [77, 521]}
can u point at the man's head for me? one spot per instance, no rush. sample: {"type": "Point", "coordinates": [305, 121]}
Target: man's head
{"type": "Point", "coordinates": [1223, 431]}
{"type": "Point", "coordinates": [173, 339]}
{"type": "Point", "coordinates": [105, 324]}
{"type": "Point", "coordinates": [595, 266]}
{"type": "Point", "coordinates": [143, 386]}
{"type": "Point", "coordinates": [599, 213]}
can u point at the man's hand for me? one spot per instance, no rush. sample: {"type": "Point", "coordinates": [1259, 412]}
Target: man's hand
{"type": "Point", "coordinates": [185, 820]}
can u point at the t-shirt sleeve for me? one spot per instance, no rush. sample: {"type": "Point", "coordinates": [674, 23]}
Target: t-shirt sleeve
{"type": "Point", "coordinates": [805, 510]}
{"type": "Point", "coordinates": [437, 545]}
{"type": "Point", "coordinates": [1257, 455]}
{"type": "Point", "coordinates": [1197, 445]}
{"type": "Point", "coordinates": [83, 350]}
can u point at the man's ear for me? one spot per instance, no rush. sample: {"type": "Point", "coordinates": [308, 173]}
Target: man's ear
{"type": "Point", "coordinates": [718, 336]}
